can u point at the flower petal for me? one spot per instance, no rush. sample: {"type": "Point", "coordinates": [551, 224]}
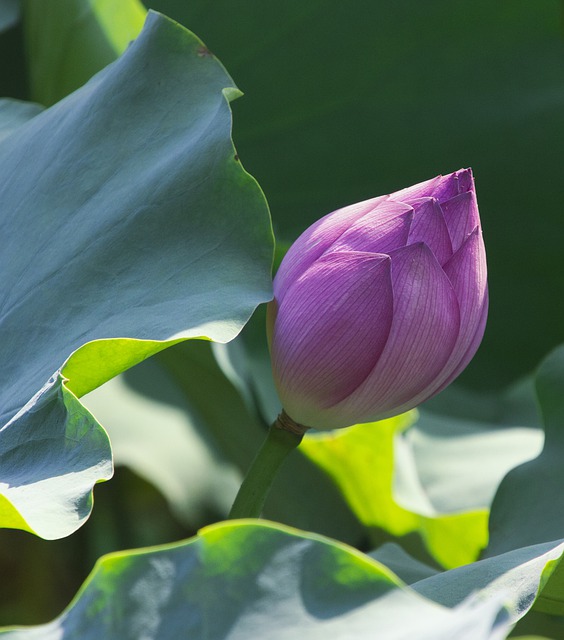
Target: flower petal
{"type": "Point", "coordinates": [429, 226]}
{"type": "Point", "coordinates": [380, 231]}
{"type": "Point", "coordinates": [455, 183]}
{"type": "Point", "coordinates": [462, 216]}
{"type": "Point", "coordinates": [424, 331]}
{"type": "Point", "coordinates": [465, 180]}
{"type": "Point", "coordinates": [421, 190]}
{"type": "Point", "coordinates": [442, 187]}
{"type": "Point", "coordinates": [467, 272]}
{"type": "Point", "coordinates": [317, 239]}
{"type": "Point", "coordinates": [472, 347]}
{"type": "Point", "coordinates": [329, 332]}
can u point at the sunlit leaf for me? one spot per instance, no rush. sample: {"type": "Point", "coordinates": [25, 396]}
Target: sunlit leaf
{"type": "Point", "coordinates": [361, 461]}
{"type": "Point", "coordinates": [438, 457]}
{"type": "Point", "coordinates": [519, 575]}
{"type": "Point", "coordinates": [155, 432]}
{"type": "Point", "coordinates": [94, 33]}
{"type": "Point", "coordinates": [529, 505]}
{"type": "Point", "coordinates": [368, 100]}
{"type": "Point", "coordinates": [237, 434]}
{"type": "Point", "coordinates": [128, 225]}
{"type": "Point", "coordinates": [246, 579]}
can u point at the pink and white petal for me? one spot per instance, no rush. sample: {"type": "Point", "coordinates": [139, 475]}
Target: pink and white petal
{"type": "Point", "coordinates": [461, 216]}
{"type": "Point", "coordinates": [472, 347]}
{"type": "Point", "coordinates": [448, 374]}
{"type": "Point", "coordinates": [442, 187]}
{"type": "Point", "coordinates": [315, 240]}
{"type": "Point", "coordinates": [382, 230]}
{"type": "Point", "coordinates": [424, 331]}
{"type": "Point", "coordinates": [467, 271]}
{"type": "Point", "coordinates": [465, 180]}
{"type": "Point", "coordinates": [329, 331]}
{"type": "Point", "coordinates": [454, 184]}
{"type": "Point", "coordinates": [421, 190]}
{"type": "Point", "coordinates": [429, 226]}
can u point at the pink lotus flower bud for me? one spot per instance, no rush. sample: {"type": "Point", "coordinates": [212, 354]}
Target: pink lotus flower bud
{"type": "Point", "coordinates": [380, 305]}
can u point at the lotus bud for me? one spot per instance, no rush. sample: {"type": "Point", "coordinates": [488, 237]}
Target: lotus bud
{"type": "Point", "coordinates": [380, 305]}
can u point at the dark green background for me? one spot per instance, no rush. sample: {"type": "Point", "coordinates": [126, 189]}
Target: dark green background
{"type": "Point", "coordinates": [345, 101]}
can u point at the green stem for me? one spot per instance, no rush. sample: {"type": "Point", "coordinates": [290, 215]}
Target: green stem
{"type": "Point", "coordinates": [256, 485]}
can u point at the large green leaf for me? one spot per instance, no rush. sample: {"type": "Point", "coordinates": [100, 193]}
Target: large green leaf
{"type": "Point", "coordinates": [245, 579]}
{"type": "Point", "coordinates": [418, 473]}
{"type": "Point", "coordinates": [128, 225]}
{"type": "Point", "coordinates": [521, 574]}
{"type": "Point", "coordinates": [14, 113]}
{"type": "Point", "coordinates": [407, 474]}
{"type": "Point", "coordinates": [51, 455]}
{"type": "Point", "coordinates": [362, 461]}
{"type": "Point", "coordinates": [156, 432]}
{"type": "Point", "coordinates": [9, 13]}
{"type": "Point", "coordinates": [437, 460]}
{"type": "Point", "coordinates": [94, 33]}
{"type": "Point", "coordinates": [529, 505]}
{"type": "Point", "coordinates": [349, 102]}
{"type": "Point", "coordinates": [236, 433]}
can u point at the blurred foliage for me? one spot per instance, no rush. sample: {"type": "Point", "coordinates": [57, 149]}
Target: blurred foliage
{"type": "Point", "coordinates": [40, 577]}
{"type": "Point", "coordinates": [242, 579]}
{"type": "Point", "coordinates": [105, 27]}
{"type": "Point", "coordinates": [342, 103]}
{"type": "Point", "coordinates": [99, 215]}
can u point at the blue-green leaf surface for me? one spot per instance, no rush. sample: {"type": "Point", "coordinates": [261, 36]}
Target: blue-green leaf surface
{"type": "Point", "coordinates": [9, 13]}
{"type": "Point", "coordinates": [128, 225]}
{"type": "Point", "coordinates": [155, 431]}
{"type": "Point", "coordinates": [528, 507]}
{"type": "Point", "coordinates": [415, 473]}
{"type": "Point", "coordinates": [523, 575]}
{"type": "Point", "coordinates": [236, 434]}
{"type": "Point", "coordinates": [529, 504]}
{"type": "Point", "coordinates": [438, 459]}
{"type": "Point", "coordinates": [369, 98]}
{"type": "Point", "coordinates": [14, 113]}
{"type": "Point", "coordinates": [246, 579]}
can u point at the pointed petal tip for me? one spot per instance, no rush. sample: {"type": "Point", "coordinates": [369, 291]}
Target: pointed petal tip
{"type": "Point", "coordinates": [465, 179]}
{"type": "Point", "coordinates": [455, 183]}
{"type": "Point", "coordinates": [442, 187]}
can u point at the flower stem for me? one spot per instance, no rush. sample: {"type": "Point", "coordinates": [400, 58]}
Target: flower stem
{"type": "Point", "coordinates": [256, 485]}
